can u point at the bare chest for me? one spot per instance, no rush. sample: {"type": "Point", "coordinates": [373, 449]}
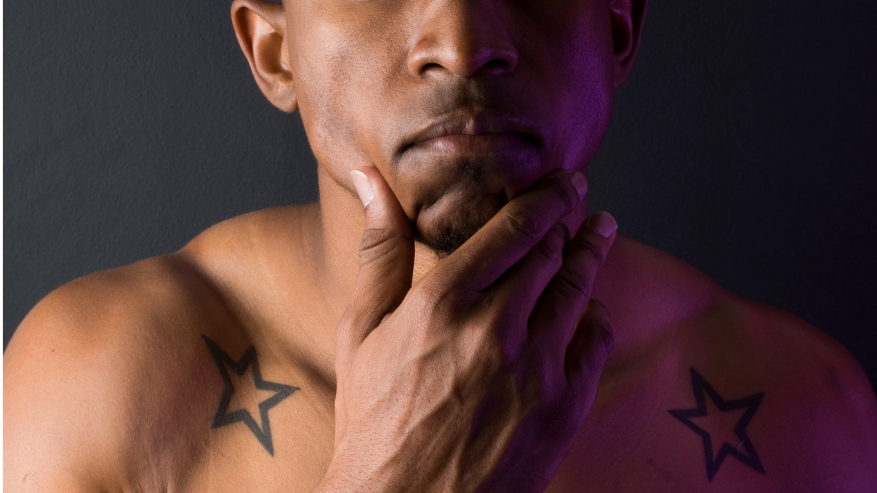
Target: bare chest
{"type": "Point", "coordinates": [275, 433]}
{"type": "Point", "coordinates": [666, 432]}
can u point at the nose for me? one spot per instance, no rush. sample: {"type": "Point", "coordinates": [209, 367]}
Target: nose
{"type": "Point", "coordinates": [462, 37]}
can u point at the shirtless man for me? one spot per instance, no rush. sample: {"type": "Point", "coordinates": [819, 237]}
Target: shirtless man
{"type": "Point", "coordinates": [446, 336]}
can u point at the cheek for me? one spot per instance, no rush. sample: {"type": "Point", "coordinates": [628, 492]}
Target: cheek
{"type": "Point", "coordinates": [322, 88]}
{"type": "Point", "coordinates": [584, 69]}
{"type": "Point", "coordinates": [586, 112]}
{"type": "Point", "coordinates": [340, 83]}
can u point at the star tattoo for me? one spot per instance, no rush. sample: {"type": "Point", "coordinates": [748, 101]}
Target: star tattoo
{"type": "Point", "coordinates": [747, 455]}
{"type": "Point", "coordinates": [222, 417]}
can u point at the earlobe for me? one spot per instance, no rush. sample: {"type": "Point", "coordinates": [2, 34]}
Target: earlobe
{"type": "Point", "coordinates": [627, 22]}
{"type": "Point", "coordinates": [260, 26]}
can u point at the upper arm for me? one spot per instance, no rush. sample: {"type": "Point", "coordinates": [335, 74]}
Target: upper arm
{"type": "Point", "coordinates": [106, 382]}
{"type": "Point", "coordinates": [826, 410]}
{"type": "Point", "coordinates": [852, 419]}
{"type": "Point", "coordinates": [61, 420]}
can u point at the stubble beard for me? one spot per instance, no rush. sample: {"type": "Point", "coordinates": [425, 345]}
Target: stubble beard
{"type": "Point", "coordinates": [451, 236]}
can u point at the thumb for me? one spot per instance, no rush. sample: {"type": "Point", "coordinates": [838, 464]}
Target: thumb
{"type": "Point", "coordinates": [386, 257]}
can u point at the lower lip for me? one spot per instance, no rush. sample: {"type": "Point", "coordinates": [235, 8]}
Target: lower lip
{"type": "Point", "coordinates": [470, 145]}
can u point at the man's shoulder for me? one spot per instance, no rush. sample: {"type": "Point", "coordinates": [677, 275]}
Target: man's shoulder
{"type": "Point", "coordinates": [96, 368]}
{"type": "Point", "coordinates": [816, 413]}
{"type": "Point", "coordinates": [85, 374]}
{"type": "Point", "coordinates": [702, 318]}
{"type": "Point", "coordinates": [673, 299]}
{"type": "Point", "coordinates": [159, 304]}
{"type": "Point", "coordinates": [123, 305]}
{"type": "Point", "coordinates": [709, 356]}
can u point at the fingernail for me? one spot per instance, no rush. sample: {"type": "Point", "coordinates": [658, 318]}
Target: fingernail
{"type": "Point", "coordinates": [580, 182]}
{"type": "Point", "coordinates": [363, 187]}
{"type": "Point", "coordinates": [603, 224]}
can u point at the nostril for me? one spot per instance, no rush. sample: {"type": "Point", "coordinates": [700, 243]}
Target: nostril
{"type": "Point", "coordinates": [430, 66]}
{"type": "Point", "coordinates": [498, 60]}
{"type": "Point", "coordinates": [498, 66]}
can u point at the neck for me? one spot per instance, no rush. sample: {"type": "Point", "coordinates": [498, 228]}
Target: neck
{"type": "Point", "coordinates": [342, 221]}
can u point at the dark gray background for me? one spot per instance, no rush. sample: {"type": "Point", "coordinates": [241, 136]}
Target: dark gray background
{"type": "Point", "coordinates": [744, 143]}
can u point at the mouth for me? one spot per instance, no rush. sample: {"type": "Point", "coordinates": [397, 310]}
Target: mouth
{"type": "Point", "coordinates": [466, 134]}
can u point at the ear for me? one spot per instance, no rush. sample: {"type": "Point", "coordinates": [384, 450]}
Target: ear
{"type": "Point", "coordinates": [260, 26]}
{"type": "Point", "coordinates": [627, 24]}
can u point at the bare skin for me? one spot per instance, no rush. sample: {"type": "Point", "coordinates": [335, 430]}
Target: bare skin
{"type": "Point", "coordinates": [377, 381]}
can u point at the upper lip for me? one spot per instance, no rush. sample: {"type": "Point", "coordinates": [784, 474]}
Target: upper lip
{"type": "Point", "coordinates": [468, 123]}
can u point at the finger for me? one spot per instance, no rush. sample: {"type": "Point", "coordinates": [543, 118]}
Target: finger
{"type": "Point", "coordinates": [515, 230]}
{"type": "Point", "coordinates": [555, 316]}
{"type": "Point", "coordinates": [386, 258]}
{"type": "Point", "coordinates": [588, 351]}
{"type": "Point", "coordinates": [527, 280]}
{"type": "Point", "coordinates": [521, 286]}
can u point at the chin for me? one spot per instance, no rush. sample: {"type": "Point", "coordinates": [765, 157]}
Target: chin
{"type": "Point", "coordinates": [450, 236]}
{"type": "Point", "coordinates": [448, 223]}
{"type": "Point", "coordinates": [451, 197]}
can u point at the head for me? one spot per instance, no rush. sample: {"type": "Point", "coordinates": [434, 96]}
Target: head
{"type": "Point", "coordinates": [461, 104]}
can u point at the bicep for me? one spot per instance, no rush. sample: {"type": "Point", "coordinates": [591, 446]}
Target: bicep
{"type": "Point", "coordinates": [836, 411]}
{"type": "Point", "coordinates": [61, 422]}
{"type": "Point", "coordinates": [848, 385]}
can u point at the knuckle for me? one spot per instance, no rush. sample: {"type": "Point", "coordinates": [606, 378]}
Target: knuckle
{"type": "Point", "coordinates": [594, 251]}
{"type": "Point", "coordinates": [520, 222]}
{"type": "Point", "coordinates": [574, 282]}
{"type": "Point", "coordinates": [377, 243]}
{"type": "Point", "coordinates": [566, 193]}
{"type": "Point", "coordinates": [432, 302]}
{"type": "Point", "coordinates": [441, 304]}
{"type": "Point", "coordinates": [494, 339]}
{"type": "Point", "coordinates": [551, 246]}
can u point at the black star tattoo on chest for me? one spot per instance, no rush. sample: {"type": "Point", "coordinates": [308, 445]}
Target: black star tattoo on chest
{"type": "Point", "coordinates": [744, 451]}
{"type": "Point", "coordinates": [223, 417]}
